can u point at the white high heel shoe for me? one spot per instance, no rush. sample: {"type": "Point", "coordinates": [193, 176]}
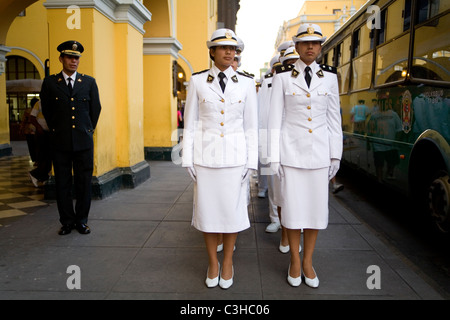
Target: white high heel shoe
{"type": "Point", "coordinates": [211, 283]}
{"type": "Point", "coordinates": [285, 249]}
{"type": "Point", "coordinates": [294, 282]}
{"type": "Point", "coordinates": [313, 283]}
{"type": "Point", "coordinates": [225, 284]}
{"type": "Point", "coordinates": [220, 248]}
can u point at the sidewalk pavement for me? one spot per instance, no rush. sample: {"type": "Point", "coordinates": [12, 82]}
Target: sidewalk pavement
{"type": "Point", "coordinates": [142, 246]}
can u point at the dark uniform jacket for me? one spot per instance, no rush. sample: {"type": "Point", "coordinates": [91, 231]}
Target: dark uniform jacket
{"type": "Point", "coordinates": [71, 118]}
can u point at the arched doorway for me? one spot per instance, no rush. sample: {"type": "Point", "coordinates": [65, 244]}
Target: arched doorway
{"type": "Point", "coordinates": [23, 84]}
{"type": "Point", "coordinates": [10, 10]}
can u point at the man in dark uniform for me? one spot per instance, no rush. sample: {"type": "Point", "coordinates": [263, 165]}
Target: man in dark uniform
{"type": "Point", "coordinates": [71, 107]}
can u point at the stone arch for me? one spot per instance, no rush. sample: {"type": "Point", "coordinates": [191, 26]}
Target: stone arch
{"type": "Point", "coordinates": [10, 9]}
{"type": "Point", "coordinates": [161, 24]}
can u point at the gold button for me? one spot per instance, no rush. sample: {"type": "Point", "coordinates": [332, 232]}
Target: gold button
{"type": "Point", "coordinates": [308, 95]}
{"type": "Point", "coordinates": [73, 108]}
{"type": "Point", "coordinates": [309, 107]}
{"type": "Point", "coordinates": [309, 119]}
{"type": "Point", "coordinates": [222, 135]}
{"type": "Point", "coordinates": [221, 124]}
{"type": "Point", "coordinates": [222, 112]}
{"type": "Point", "coordinates": [73, 117]}
{"type": "Point", "coordinates": [56, 98]}
{"type": "Point", "coordinates": [222, 100]}
{"type": "Point", "coordinates": [71, 99]}
{"type": "Point", "coordinates": [73, 126]}
{"type": "Point", "coordinates": [293, 94]}
{"type": "Point", "coordinates": [310, 130]}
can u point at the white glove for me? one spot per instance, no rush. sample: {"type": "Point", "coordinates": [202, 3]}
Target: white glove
{"type": "Point", "coordinates": [245, 175]}
{"type": "Point", "coordinates": [334, 167]}
{"type": "Point", "coordinates": [277, 169]}
{"type": "Point", "coordinates": [192, 173]}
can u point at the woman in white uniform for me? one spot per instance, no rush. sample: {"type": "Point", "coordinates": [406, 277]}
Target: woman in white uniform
{"type": "Point", "coordinates": [220, 146]}
{"type": "Point", "coordinates": [306, 148]}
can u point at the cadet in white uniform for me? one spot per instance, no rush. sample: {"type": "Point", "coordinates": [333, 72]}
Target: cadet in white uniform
{"type": "Point", "coordinates": [306, 147]}
{"type": "Point", "coordinates": [220, 145]}
{"type": "Point", "coordinates": [263, 105]}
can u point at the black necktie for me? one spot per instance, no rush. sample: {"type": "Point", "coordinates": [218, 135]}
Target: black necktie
{"type": "Point", "coordinates": [69, 85]}
{"type": "Point", "coordinates": [221, 82]}
{"type": "Point", "coordinates": [307, 75]}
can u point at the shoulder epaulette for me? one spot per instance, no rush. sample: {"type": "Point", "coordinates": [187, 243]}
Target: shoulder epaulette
{"type": "Point", "coordinates": [245, 74]}
{"type": "Point", "coordinates": [269, 75]}
{"type": "Point", "coordinates": [200, 72]}
{"type": "Point", "coordinates": [282, 68]}
{"type": "Point", "coordinates": [331, 69]}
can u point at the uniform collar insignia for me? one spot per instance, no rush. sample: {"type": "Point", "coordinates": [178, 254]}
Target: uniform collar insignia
{"type": "Point", "coordinates": [210, 79]}
{"type": "Point", "coordinates": [79, 80]}
{"type": "Point", "coordinates": [60, 79]}
{"type": "Point", "coordinates": [295, 73]}
{"type": "Point", "coordinates": [234, 78]}
{"type": "Point", "coordinates": [320, 74]}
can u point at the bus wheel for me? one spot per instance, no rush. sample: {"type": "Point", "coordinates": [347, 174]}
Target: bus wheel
{"type": "Point", "coordinates": [439, 202]}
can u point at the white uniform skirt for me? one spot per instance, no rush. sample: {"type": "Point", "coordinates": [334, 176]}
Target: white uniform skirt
{"type": "Point", "coordinates": [304, 201]}
{"type": "Point", "coordinates": [220, 200]}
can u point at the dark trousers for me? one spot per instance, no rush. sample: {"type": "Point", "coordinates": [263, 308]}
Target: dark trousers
{"type": "Point", "coordinates": [43, 157]}
{"type": "Point", "coordinates": [82, 164]}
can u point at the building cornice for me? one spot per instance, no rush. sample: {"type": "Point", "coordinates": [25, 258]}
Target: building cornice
{"type": "Point", "coordinates": [119, 11]}
{"type": "Point", "coordinates": [162, 46]}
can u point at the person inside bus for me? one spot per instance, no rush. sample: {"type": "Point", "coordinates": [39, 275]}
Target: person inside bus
{"type": "Point", "coordinates": [359, 114]}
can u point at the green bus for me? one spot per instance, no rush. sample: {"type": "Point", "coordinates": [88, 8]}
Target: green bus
{"type": "Point", "coordinates": [393, 65]}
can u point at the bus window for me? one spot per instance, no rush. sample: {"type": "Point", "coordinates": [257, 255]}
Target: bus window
{"type": "Point", "coordinates": [343, 75]}
{"type": "Point", "coordinates": [407, 15]}
{"type": "Point", "coordinates": [392, 61]}
{"type": "Point", "coordinates": [395, 23]}
{"type": "Point", "coordinates": [363, 59]}
{"type": "Point", "coordinates": [432, 50]}
{"type": "Point", "coordinates": [355, 47]}
{"type": "Point", "coordinates": [427, 9]}
{"type": "Point", "coordinates": [382, 30]}
{"type": "Point", "coordinates": [362, 71]}
{"type": "Point", "coordinates": [329, 58]}
{"type": "Point", "coordinates": [346, 50]}
{"type": "Point", "coordinates": [337, 55]}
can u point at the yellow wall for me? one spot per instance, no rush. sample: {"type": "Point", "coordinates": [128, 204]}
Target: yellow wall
{"type": "Point", "coordinates": [201, 17]}
{"type": "Point", "coordinates": [104, 69]}
{"type": "Point", "coordinates": [138, 107]}
{"type": "Point", "coordinates": [33, 39]}
{"type": "Point", "coordinates": [195, 22]}
{"type": "Point", "coordinates": [160, 25]}
{"type": "Point", "coordinates": [129, 95]}
{"type": "Point", "coordinates": [160, 105]}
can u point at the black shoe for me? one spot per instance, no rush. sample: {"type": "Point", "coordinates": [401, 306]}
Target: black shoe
{"type": "Point", "coordinates": [65, 229]}
{"type": "Point", "coordinates": [83, 228]}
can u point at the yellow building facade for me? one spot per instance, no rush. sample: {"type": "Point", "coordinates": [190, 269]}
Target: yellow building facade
{"type": "Point", "coordinates": [329, 15]}
{"type": "Point", "coordinates": [141, 53]}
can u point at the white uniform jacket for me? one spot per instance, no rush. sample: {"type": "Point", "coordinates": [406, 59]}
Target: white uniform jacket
{"type": "Point", "coordinates": [310, 133]}
{"type": "Point", "coordinates": [220, 129]}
